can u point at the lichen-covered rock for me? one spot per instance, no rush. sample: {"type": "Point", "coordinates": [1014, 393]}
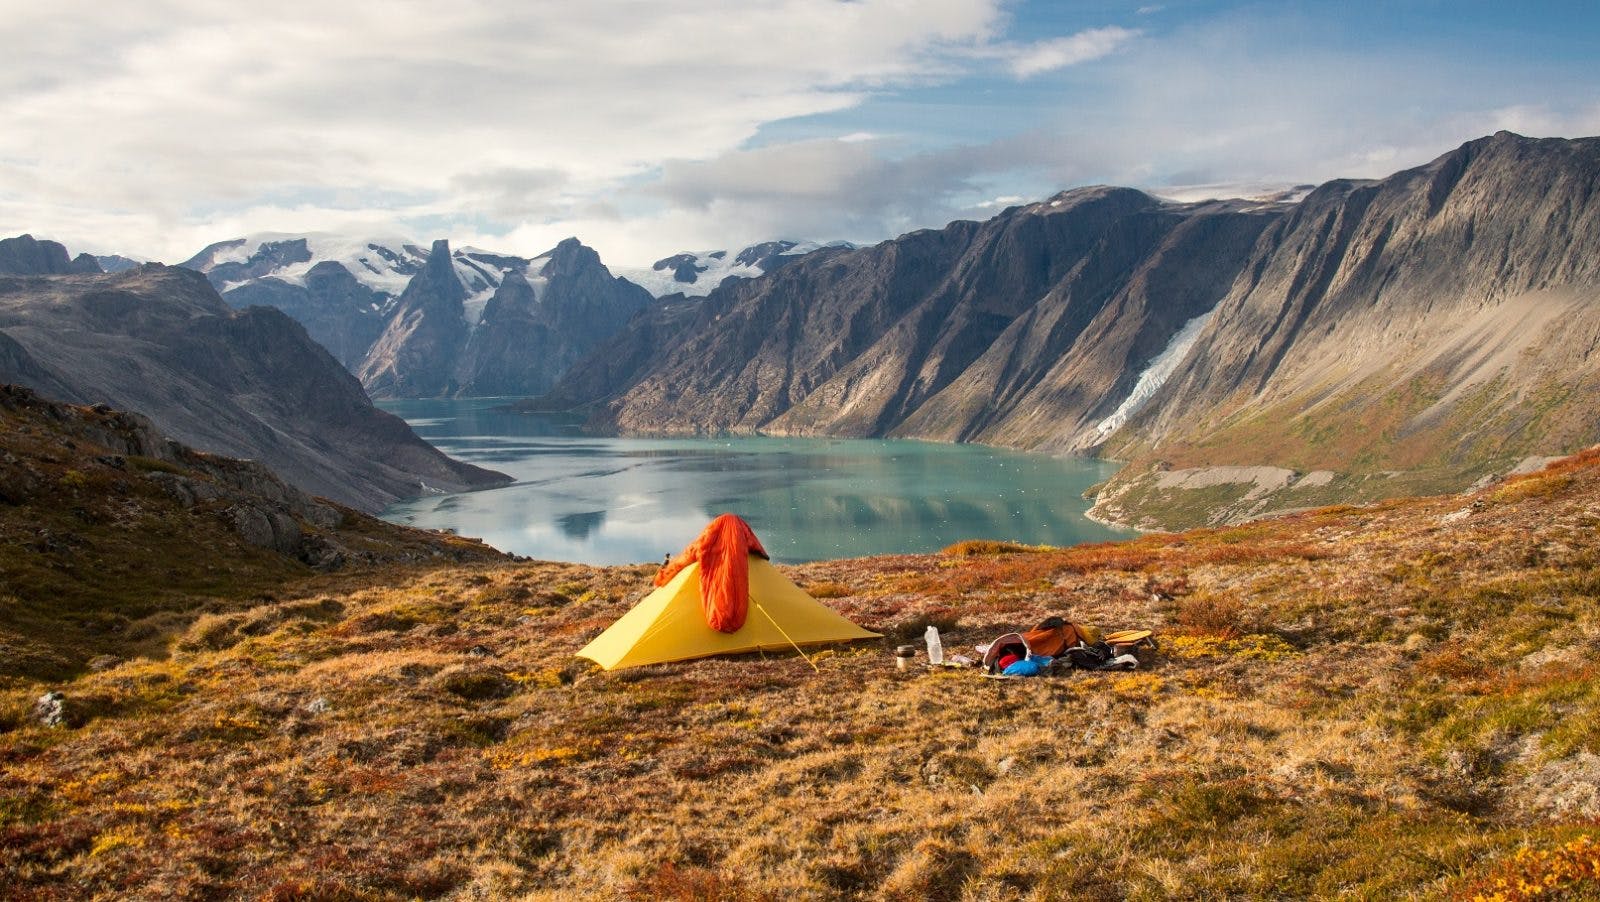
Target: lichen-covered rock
{"type": "Point", "coordinates": [51, 709]}
{"type": "Point", "coordinates": [265, 527]}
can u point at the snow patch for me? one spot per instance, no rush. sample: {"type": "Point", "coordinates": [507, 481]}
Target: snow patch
{"type": "Point", "coordinates": [662, 282]}
{"type": "Point", "coordinates": [472, 306]}
{"type": "Point", "coordinates": [719, 265]}
{"type": "Point", "coordinates": [355, 254]}
{"type": "Point", "coordinates": [1155, 374]}
{"type": "Point", "coordinates": [239, 253]}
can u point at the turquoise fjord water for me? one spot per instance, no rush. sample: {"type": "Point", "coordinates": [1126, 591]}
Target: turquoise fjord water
{"type": "Point", "coordinates": [630, 500]}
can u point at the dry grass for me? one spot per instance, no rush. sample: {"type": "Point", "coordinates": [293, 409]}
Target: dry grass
{"type": "Point", "coordinates": [1375, 702]}
{"type": "Point", "coordinates": [973, 547]}
{"type": "Point", "coordinates": [96, 558]}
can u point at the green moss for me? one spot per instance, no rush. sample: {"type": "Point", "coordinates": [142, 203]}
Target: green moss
{"type": "Point", "coordinates": [152, 465]}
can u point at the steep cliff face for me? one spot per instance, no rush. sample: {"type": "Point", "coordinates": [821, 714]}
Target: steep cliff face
{"type": "Point", "coordinates": [1442, 317]}
{"type": "Point", "coordinates": [502, 355]}
{"type": "Point", "coordinates": [1062, 368]}
{"type": "Point", "coordinates": [415, 356]}
{"type": "Point", "coordinates": [250, 383]}
{"type": "Point", "coordinates": [1017, 330]}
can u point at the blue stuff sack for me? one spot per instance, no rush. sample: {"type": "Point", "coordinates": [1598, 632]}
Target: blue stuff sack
{"type": "Point", "coordinates": [1033, 665]}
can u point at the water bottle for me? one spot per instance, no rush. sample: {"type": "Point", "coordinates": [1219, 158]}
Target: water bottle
{"type": "Point", "coordinates": [935, 647]}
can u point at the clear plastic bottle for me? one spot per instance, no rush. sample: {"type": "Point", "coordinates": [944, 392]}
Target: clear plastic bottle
{"type": "Point", "coordinates": [935, 647]}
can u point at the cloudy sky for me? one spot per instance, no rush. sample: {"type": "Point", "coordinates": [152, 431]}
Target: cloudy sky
{"type": "Point", "coordinates": [154, 127]}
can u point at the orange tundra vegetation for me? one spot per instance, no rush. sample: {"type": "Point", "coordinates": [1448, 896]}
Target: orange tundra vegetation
{"type": "Point", "coordinates": [1382, 702]}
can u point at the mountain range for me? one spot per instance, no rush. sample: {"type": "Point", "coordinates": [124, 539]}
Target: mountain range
{"type": "Point", "coordinates": [1443, 322]}
{"type": "Point", "coordinates": [1353, 341]}
{"type": "Point", "coordinates": [415, 321]}
{"type": "Point", "coordinates": [430, 322]}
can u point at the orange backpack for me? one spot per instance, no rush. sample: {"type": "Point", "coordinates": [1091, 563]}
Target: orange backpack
{"type": "Point", "coordinates": [1054, 636]}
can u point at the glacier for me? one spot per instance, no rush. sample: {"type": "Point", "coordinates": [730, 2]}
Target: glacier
{"type": "Point", "coordinates": [1155, 374]}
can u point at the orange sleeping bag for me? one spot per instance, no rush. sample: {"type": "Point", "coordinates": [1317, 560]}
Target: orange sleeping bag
{"type": "Point", "coordinates": [723, 551]}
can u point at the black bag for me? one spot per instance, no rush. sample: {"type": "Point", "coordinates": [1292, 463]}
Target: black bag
{"type": "Point", "coordinates": [1089, 657]}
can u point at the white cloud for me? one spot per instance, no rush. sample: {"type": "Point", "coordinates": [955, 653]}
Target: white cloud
{"type": "Point", "coordinates": [1000, 203]}
{"type": "Point", "coordinates": [164, 111]}
{"type": "Point", "coordinates": [647, 128]}
{"type": "Point", "coordinates": [1047, 56]}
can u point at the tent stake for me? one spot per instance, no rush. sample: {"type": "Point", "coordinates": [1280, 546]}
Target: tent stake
{"type": "Point", "coordinates": [785, 635]}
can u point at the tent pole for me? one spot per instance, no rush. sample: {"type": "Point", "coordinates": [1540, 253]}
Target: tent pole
{"type": "Point", "coordinates": [785, 635]}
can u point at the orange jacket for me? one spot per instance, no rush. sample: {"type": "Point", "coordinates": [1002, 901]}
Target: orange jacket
{"type": "Point", "coordinates": [723, 551]}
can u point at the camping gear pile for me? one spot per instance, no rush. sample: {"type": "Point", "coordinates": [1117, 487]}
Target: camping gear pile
{"type": "Point", "coordinates": [1057, 643]}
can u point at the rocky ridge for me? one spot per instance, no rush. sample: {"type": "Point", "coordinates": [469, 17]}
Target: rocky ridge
{"type": "Point", "coordinates": [25, 255]}
{"type": "Point", "coordinates": [246, 383]}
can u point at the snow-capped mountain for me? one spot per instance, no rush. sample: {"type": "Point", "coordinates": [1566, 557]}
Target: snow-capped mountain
{"type": "Point", "coordinates": [413, 320]}
{"type": "Point", "coordinates": [383, 265]}
{"type": "Point", "coordinates": [696, 273]}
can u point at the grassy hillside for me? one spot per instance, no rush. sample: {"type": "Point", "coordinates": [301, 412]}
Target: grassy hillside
{"type": "Point", "coordinates": [1384, 438]}
{"type": "Point", "coordinates": [1391, 701]}
{"type": "Point", "coordinates": [112, 539]}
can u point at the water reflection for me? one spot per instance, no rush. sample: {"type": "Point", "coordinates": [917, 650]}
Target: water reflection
{"type": "Point", "coordinates": [581, 526]}
{"type": "Point", "coordinates": [602, 500]}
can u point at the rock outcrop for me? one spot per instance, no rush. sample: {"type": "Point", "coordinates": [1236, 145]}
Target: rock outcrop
{"type": "Point", "coordinates": [25, 255]}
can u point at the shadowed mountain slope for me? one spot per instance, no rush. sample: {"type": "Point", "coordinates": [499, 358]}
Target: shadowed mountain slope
{"type": "Point", "coordinates": [246, 383]}
{"type": "Point", "coordinates": [967, 332]}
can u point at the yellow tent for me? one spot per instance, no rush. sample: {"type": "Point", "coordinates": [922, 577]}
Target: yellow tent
{"type": "Point", "coordinates": [669, 624]}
